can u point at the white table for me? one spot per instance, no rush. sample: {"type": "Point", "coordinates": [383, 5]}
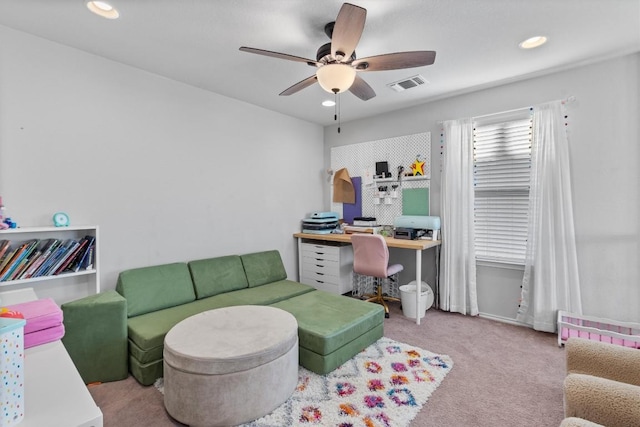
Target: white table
{"type": "Point", "coordinates": [54, 392]}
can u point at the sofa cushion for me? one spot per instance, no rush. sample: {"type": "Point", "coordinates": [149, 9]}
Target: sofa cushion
{"type": "Point", "coordinates": [262, 295]}
{"type": "Point", "coordinates": [327, 321]}
{"type": "Point", "coordinates": [214, 276]}
{"type": "Point", "coordinates": [153, 288]}
{"type": "Point", "coordinates": [263, 267]}
{"type": "Point", "coordinates": [146, 332]}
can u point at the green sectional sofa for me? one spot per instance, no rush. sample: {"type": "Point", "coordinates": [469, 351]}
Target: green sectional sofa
{"type": "Point", "coordinates": [331, 328]}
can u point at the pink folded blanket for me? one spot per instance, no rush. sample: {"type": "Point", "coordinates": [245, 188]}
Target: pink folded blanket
{"type": "Point", "coordinates": [44, 321]}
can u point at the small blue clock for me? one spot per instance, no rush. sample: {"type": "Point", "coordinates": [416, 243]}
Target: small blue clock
{"type": "Point", "coordinates": [60, 219]}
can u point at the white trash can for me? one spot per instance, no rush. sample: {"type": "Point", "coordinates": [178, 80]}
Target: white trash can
{"type": "Point", "coordinates": [408, 299]}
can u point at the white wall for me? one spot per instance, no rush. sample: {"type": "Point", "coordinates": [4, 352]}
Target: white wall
{"type": "Point", "coordinates": [605, 157]}
{"type": "Point", "coordinates": [169, 172]}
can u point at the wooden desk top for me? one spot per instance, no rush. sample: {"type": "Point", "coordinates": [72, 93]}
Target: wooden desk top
{"type": "Point", "coordinates": [391, 242]}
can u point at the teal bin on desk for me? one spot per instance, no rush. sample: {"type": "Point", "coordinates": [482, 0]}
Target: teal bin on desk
{"type": "Point", "coordinates": [11, 371]}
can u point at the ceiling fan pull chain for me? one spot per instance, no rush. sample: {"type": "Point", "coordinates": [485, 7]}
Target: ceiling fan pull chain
{"type": "Point", "coordinates": [338, 107]}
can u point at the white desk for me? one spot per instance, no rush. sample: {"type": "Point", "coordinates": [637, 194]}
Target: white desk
{"type": "Point", "coordinates": [54, 392]}
{"type": "Point", "coordinates": [416, 245]}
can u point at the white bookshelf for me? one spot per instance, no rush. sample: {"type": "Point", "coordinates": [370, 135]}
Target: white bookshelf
{"type": "Point", "coordinates": [88, 279]}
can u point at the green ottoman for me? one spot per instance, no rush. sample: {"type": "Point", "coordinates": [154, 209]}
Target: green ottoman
{"type": "Point", "coordinates": [96, 336]}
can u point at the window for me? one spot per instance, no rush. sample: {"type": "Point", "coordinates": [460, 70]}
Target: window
{"type": "Point", "coordinates": [502, 169]}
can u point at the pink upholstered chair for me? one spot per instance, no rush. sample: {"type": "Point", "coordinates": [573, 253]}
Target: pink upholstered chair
{"type": "Point", "coordinates": [372, 272]}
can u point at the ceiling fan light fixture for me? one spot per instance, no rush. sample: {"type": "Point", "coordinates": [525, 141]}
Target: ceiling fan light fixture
{"type": "Point", "coordinates": [336, 78]}
{"type": "Point", "coordinates": [533, 42]}
{"type": "Point", "coordinates": [103, 9]}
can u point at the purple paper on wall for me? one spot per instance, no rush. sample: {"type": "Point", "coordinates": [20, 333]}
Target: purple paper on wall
{"type": "Point", "coordinates": [352, 210]}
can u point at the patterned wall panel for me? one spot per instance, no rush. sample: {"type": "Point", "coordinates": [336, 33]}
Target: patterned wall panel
{"type": "Point", "coordinates": [397, 151]}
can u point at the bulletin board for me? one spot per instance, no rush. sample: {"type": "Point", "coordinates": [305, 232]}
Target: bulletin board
{"type": "Point", "coordinates": [360, 161]}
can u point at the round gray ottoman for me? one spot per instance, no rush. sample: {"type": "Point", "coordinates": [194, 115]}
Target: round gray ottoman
{"type": "Point", "coordinates": [230, 365]}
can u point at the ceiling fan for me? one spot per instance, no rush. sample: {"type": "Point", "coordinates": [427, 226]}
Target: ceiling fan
{"type": "Point", "coordinates": [336, 62]}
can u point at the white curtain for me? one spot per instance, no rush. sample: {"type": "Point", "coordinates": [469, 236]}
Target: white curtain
{"type": "Point", "coordinates": [458, 260]}
{"type": "Point", "coordinates": [551, 280]}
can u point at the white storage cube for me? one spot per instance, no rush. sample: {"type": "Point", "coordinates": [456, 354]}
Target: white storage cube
{"type": "Point", "coordinates": [11, 370]}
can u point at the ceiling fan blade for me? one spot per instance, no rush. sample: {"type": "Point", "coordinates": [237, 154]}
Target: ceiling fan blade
{"type": "Point", "coordinates": [299, 86]}
{"type": "Point", "coordinates": [347, 30]}
{"type": "Point", "coordinates": [361, 89]}
{"type": "Point", "coordinates": [395, 61]}
{"type": "Point", "coordinates": [280, 55]}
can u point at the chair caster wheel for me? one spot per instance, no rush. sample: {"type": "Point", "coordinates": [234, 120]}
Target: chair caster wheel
{"type": "Point", "coordinates": [386, 315]}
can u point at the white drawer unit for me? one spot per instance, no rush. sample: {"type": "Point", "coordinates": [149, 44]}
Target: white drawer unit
{"type": "Point", "coordinates": [327, 266]}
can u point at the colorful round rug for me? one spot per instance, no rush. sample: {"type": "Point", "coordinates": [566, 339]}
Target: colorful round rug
{"type": "Point", "coordinates": [385, 385]}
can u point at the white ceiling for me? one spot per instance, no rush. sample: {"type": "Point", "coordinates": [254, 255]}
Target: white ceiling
{"type": "Point", "coordinates": [197, 41]}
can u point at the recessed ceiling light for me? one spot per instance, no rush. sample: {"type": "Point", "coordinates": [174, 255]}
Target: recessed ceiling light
{"type": "Point", "coordinates": [103, 9]}
{"type": "Point", "coordinates": [532, 42]}
{"type": "Point", "coordinates": [328, 103]}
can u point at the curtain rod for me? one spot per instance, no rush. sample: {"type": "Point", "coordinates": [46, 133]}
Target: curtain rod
{"type": "Point", "coordinates": [567, 100]}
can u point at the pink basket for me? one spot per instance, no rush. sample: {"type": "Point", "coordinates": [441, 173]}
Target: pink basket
{"type": "Point", "coordinates": [625, 334]}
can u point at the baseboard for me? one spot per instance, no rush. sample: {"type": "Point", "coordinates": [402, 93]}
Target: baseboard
{"type": "Point", "coordinates": [503, 319]}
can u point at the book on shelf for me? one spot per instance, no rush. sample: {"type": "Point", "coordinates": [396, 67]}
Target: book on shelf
{"type": "Point", "coordinates": [48, 246]}
{"type": "Point", "coordinates": [4, 247]}
{"type": "Point", "coordinates": [17, 270]}
{"type": "Point", "coordinates": [71, 248]}
{"type": "Point", "coordinates": [7, 257]}
{"type": "Point", "coordinates": [79, 249]}
{"type": "Point", "coordinates": [33, 258]}
{"type": "Point", "coordinates": [53, 256]}
{"type": "Point", "coordinates": [60, 255]}
{"type": "Point", "coordinates": [26, 260]}
{"type": "Point", "coordinates": [45, 257]}
{"type": "Point", "coordinates": [76, 264]}
{"type": "Point", "coordinates": [22, 250]}
{"type": "Point", "coordinates": [87, 262]}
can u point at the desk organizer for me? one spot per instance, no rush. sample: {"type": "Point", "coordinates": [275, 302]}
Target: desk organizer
{"type": "Point", "coordinates": [625, 334]}
{"type": "Point", "coordinates": [44, 321]}
{"type": "Point", "coordinates": [12, 371]}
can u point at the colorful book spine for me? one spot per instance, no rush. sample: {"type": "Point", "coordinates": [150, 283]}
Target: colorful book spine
{"type": "Point", "coordinates": [72, 254]}
{"type": "Point", "coordinates": [25, 261]}
{"type": "Point", "coordinates": [48, 247]}
{"type": "Point", "coordinates": [85, 260]}
{"type": "Point", "coordinates": [4, 247]}
{"type": "Point", "coordinates": [9, 254]}
{"type": "Point", "coordinates": [23, 250]}
{"type": "Point", "coordinates": [49, 259]}
{"type": "Point", "coordinates": [74, 264]}
{"type": "Point", "coordinates": [87, 264]}
{"type": "Point", "coordinates": [32, 260]}
{"type": "Point", "coordinates": [59, 257]}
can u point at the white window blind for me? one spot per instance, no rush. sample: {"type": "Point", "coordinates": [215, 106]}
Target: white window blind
{"type": "Point", "coordinates": [502, 169]}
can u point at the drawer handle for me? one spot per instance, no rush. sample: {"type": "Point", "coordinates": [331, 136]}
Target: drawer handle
{"type": "Point", "coordinates": [320, 274]}
{"type": "Point", "coordinates": [319, 281]}
{"type": "Point", "coordinates": [319, 253]}
{"type": "Point", "coordinates": [319, 265]}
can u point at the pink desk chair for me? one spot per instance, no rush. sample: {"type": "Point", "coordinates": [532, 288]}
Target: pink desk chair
{"type": "Point", "coordinates": [372, 272]}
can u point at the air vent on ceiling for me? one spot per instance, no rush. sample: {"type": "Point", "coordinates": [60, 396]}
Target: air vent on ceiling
{"type": "Point", "coordinates": [408, 83]}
